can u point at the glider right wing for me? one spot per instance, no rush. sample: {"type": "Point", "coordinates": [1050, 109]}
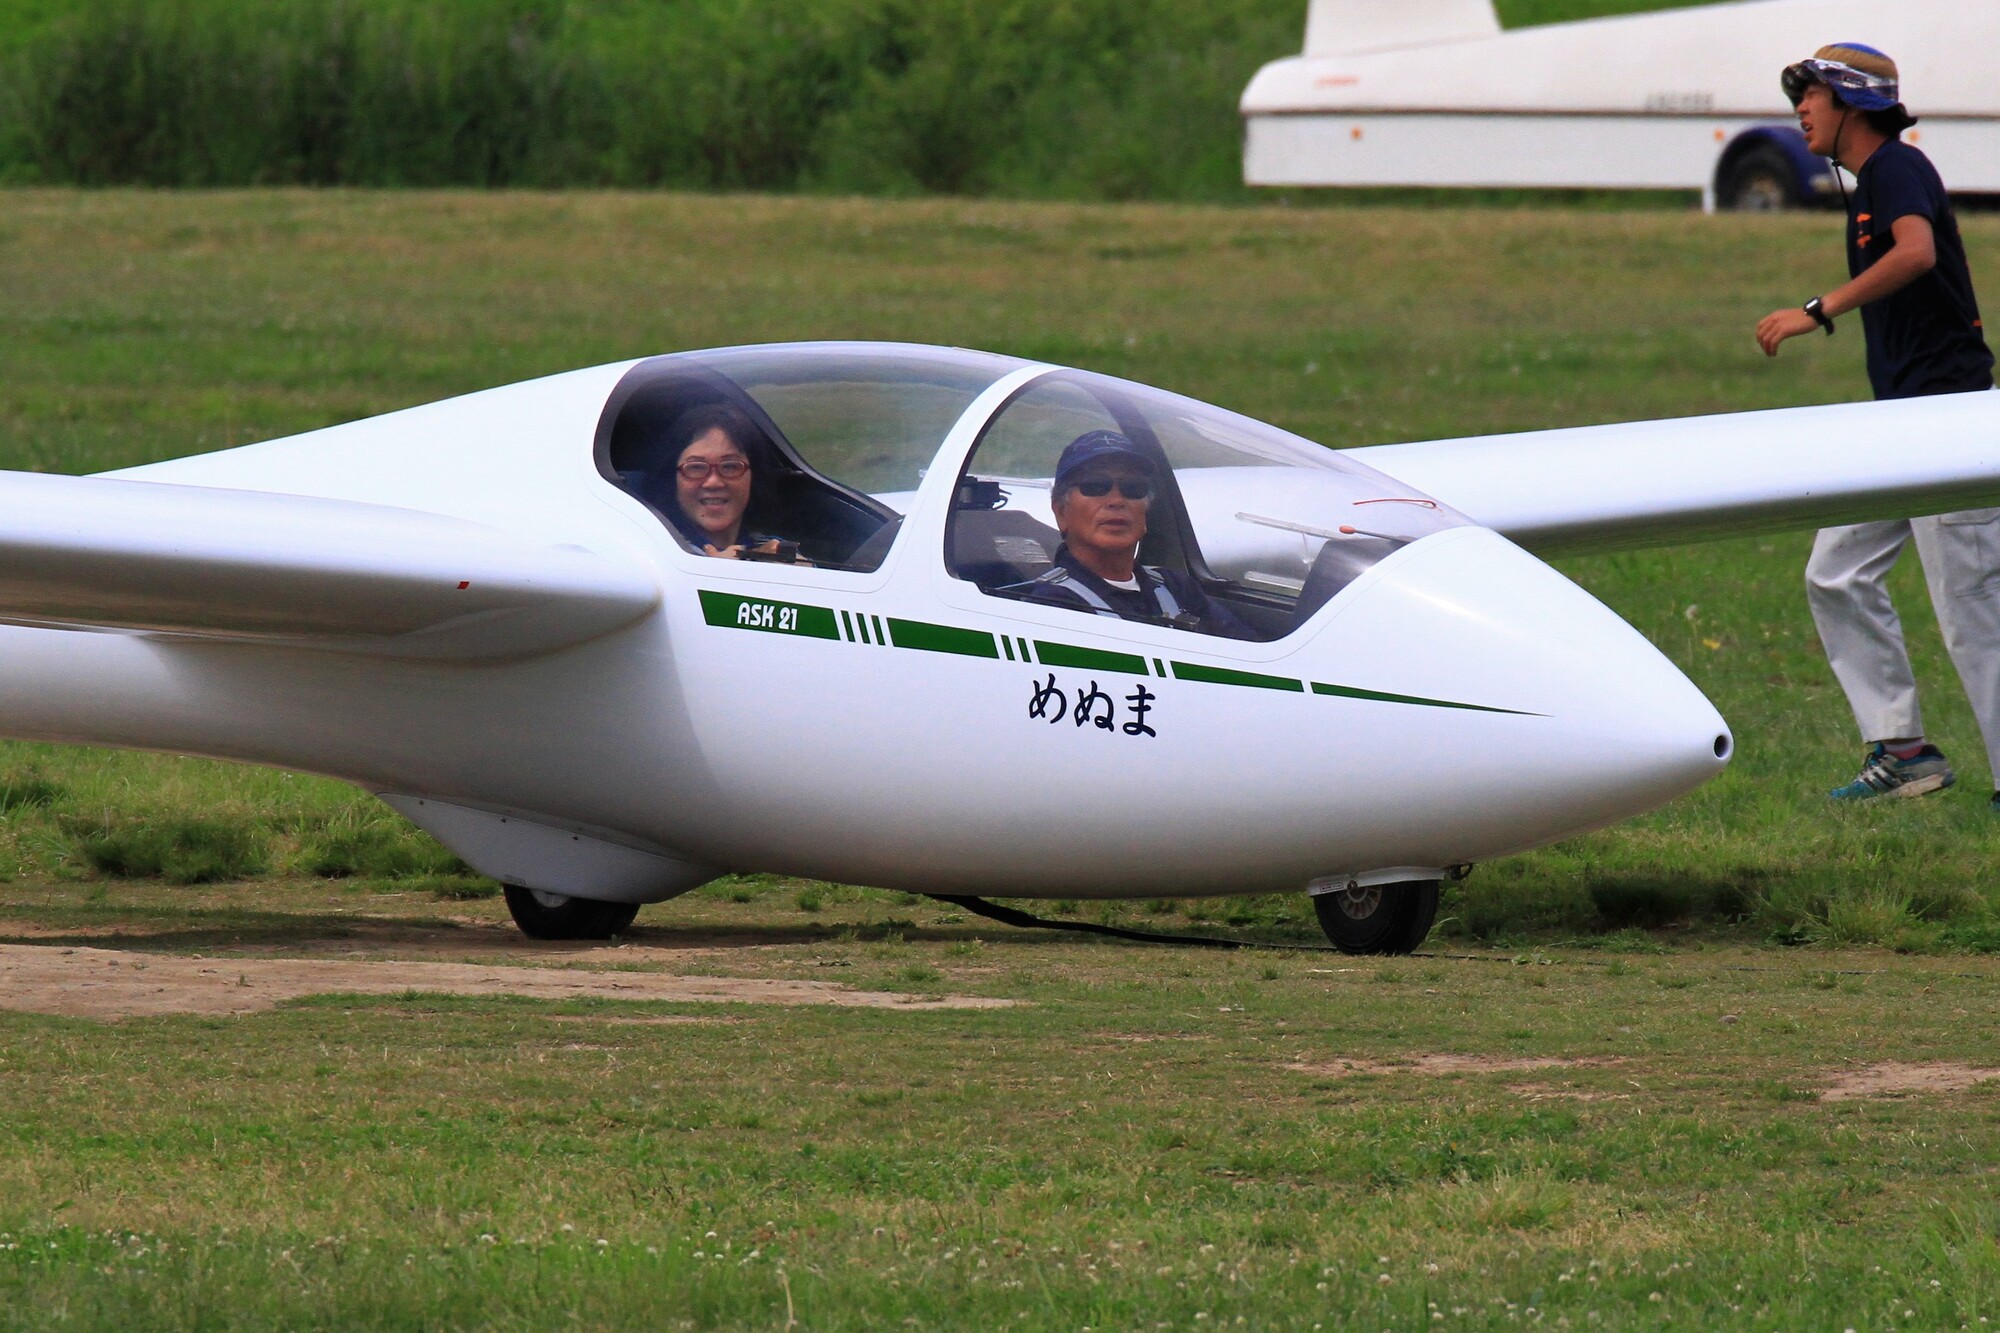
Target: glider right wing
{"type": "Point", "coordinates": [1656, 483]}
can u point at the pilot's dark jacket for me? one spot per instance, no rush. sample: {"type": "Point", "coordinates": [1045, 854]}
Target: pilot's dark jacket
{"type": "Point", "coordinates": [1165, 596]}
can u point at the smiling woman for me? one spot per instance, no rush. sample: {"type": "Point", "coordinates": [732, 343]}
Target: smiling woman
{"type": "Point", "coordinates": [709, 454]}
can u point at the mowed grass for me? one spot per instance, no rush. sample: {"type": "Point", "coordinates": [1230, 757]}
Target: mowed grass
{"type": "Point", "coordinates": [144, 325]}
{"type": "Point", "coordinates": [1155, 1138]}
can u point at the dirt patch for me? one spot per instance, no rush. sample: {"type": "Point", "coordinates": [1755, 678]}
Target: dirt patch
{"type": "Point", "coordinates": [1453, 1064]}
{"type": "Point", "coordinates": [111, 984]}
{"type": "Point", "coordinates": [1895, 1079]}
{"type": "Point", "coordinates": [454, 939]}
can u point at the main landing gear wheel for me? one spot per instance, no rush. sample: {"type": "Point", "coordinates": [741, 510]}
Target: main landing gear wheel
{"type": "Point", "coordinates": [557, 916]}
{"type": "Point", "coordinates": [1379, 919]}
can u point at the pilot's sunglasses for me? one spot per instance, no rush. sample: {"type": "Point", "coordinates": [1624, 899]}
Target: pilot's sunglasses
{"type": "Point", "coordinates": [729, 469]}
{"type": "Point", "coordinates": [1132, 488]}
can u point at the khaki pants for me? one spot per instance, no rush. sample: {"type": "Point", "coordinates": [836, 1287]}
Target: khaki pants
{"type": "Point", "coordinates": [1864, 638]}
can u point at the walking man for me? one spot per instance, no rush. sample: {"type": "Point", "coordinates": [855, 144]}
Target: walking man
{"type": "Point", "coordinates": [1910, 282]}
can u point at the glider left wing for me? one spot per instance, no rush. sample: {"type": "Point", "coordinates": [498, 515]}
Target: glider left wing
{"type": "Point", "coordinates": [106, 553]}
{"type": "Point", "coordinates": [1656, 483]}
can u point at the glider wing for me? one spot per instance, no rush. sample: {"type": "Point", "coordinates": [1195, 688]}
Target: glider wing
{"type": "Point", "coordinates": [1656, 483]}
{"type": "Point", "coordinates": [99, 552]}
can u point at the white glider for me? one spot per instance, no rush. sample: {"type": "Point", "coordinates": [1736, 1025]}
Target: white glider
{"type": "Point", "coordinates": [477, 611]}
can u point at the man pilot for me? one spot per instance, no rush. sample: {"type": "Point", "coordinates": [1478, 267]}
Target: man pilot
{"type": "Point", "coordinates": [1103, 488]}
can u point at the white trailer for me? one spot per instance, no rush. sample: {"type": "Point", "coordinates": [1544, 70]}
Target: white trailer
{"type": "Point", "coordinates": [1433, 93]}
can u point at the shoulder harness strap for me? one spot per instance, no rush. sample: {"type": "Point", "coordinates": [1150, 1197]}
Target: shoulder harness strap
{"type": "Point", "coordinates": [1089, 596]}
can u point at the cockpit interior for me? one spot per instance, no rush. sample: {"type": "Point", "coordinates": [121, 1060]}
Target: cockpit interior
{"type": "Point", "coordinates": [1267, 523]}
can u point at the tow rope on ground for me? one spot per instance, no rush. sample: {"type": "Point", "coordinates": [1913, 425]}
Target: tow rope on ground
{"type": "Point", "coordinates": [1011, 916]}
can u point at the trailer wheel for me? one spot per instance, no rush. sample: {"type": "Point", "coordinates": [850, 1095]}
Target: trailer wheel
{"type": "Point", "coordinates": [557, 916]}
{"type": "Point", "coordinates": [1379, 919]}
{"type": "Point", "coordinates": [1760, 179]}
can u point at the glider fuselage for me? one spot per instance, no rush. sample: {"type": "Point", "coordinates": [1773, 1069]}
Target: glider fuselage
{"type": "Point", "coordinates": [901, 725]}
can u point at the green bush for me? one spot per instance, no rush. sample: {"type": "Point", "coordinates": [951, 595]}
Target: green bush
{"type": "Point", "coordinates": [1649, 901]}
{"type": "Point", "coordinates": [28, 790]}
{"type": "Point", "coordinates": [373, 848]}
{"type": "Point", "coordinates": [181, 851]}
{"type": "Point", "coordinates": [1087, 98]}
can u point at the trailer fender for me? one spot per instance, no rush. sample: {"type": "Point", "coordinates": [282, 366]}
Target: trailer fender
{"type": "Point", "coordinates": [1769, 167]}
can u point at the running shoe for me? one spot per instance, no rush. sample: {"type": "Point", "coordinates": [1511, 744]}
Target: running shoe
{"type": "Point", "coordinates": [1883, 774]}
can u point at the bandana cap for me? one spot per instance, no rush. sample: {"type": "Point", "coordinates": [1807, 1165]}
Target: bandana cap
{"type": "Point", "coordinates": [1858, 76]}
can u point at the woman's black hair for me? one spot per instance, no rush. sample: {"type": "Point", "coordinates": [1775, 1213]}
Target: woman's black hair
{"type": "Point", "coordinates": [696, 422]}
{"type": "Point", "coordinates": [1890, 121]}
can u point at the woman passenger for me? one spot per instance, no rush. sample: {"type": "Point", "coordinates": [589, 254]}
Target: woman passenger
{"type": "Point", "coordinates": [708, 450]}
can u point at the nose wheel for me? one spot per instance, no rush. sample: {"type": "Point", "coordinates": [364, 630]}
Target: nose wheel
{"type": "Point", "coordinates": [1379, 918]}
{"type": "Point", "coordinates": [557, 916]}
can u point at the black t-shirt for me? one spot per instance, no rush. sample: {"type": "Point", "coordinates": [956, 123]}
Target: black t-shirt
{"type": "Point", "coordinates": [1925, 338]}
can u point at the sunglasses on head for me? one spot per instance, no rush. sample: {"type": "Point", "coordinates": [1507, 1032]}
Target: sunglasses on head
{"type": "Point", "coordinates": [1132, 488]}
{"type": "Point", "coordinates": [1797, 78]}
{"type": "Point", "coordinates": [729, 469]}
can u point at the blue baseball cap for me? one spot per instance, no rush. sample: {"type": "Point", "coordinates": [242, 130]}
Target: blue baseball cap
{"type": "Point", "coordinates": [1094, 446]}
{"type": "Point", "coordinates": [1858, 76]}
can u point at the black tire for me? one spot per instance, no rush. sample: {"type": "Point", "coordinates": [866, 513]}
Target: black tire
{"type": "Point", "coordinates": [1760, 179]}
{"type": "Point", "coordinates": [556, 916]}
{"type": "Point", "coordinates": [1380, 919]}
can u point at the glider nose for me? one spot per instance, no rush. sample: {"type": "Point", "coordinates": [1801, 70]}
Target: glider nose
{"type": "Point", "coordinates": [1584, 722]}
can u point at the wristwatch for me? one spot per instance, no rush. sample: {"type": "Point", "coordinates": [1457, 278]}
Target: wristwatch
{"type": "Point", "coordinates": [1817, 310]}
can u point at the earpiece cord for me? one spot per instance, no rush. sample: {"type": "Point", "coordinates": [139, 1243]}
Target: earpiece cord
{"type": "Point", "coordinates": [1834, 161]}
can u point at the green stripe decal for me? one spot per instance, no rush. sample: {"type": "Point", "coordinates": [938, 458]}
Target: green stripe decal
{"type": "Point", "coordinates": [1224, 676]}
{"type": "Point", "coordinates": [1088, 659]}
{"type": "Point", "coordinates": [733, 612]}
{"type": "Point", "coordinates": [1379, 696]}
{"type": "Point", "coordinates": [941, 638]}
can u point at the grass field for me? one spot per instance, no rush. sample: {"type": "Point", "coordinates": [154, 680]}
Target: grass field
{"type": "Point", "coordinates": [1602, 1103]}
{"type": "Point", "coordinates": [139, 326]}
